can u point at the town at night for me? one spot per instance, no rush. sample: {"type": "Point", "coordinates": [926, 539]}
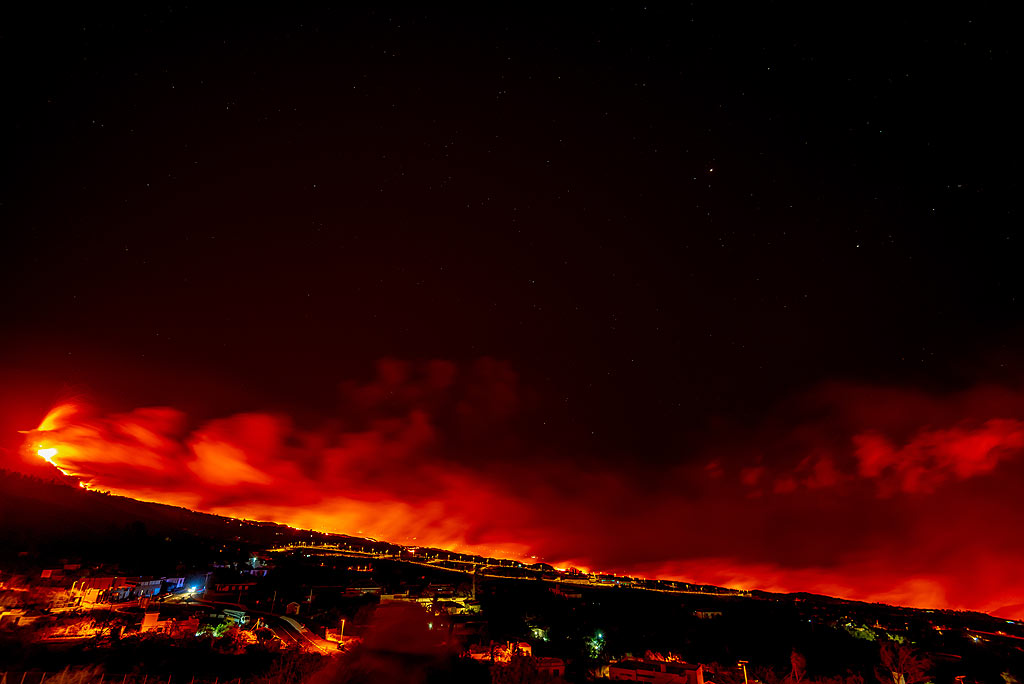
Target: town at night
{"type": "Point", "coordinates": [510, 345]}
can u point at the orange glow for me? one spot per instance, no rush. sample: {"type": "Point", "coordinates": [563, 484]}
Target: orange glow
{"type": "Point", "coordinates": [58, 417]}
{"type": "Point", "coordinates": [48, 453]}
{"type": "Point", "coordinates": [858, 493]}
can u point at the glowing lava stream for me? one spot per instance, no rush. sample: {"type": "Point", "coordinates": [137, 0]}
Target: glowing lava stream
{"type": "Point", "coordinates": [57, 418]}
{"type": "Point", "coordinates": [48, 453]}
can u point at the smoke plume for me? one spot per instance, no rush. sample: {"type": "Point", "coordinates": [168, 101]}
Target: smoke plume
{"type": "Point", "coordinates": [871, 493]}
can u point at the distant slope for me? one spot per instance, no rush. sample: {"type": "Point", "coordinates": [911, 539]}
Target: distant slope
{"type": "Point", "coordinates": [53, 520]}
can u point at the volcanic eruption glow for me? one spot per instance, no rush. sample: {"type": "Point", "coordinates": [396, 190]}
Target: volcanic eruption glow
{"type": "Point", "coordinates": [59, 416]}
{"type": "Point", "coordinates": [47, 453]}
{"type": "Point", "coordinates": [854, 501]}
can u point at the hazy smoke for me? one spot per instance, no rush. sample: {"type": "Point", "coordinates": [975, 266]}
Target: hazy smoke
{"type": "Point", "coordinates": [869, 493]}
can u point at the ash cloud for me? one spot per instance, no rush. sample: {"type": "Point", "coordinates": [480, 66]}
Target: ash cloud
{"type": "Point", "coordinates": [872, 493]}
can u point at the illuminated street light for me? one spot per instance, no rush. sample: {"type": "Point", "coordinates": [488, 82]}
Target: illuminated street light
{"type": "Point", "coordinates": [743, 665]}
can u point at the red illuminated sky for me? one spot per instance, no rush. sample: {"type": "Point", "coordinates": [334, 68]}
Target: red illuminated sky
{"type": "Point", "coordinates": [734, 299]}
{"type": "Point", "coordinates": [861, 492]}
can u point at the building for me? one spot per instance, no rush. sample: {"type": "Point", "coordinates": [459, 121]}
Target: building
{"type": "Point", "coordinates": [173, 583]}
{"type": "Point", "coordinates": [656, 672]}
{"type": "Point", "coordinates": [364, 589]}
{"type": "Point", "coordinates": [86, 590]}
{"type": "Point", "coordinates": [177, 627]}
{"type": "Point", "coordinates": [232, 587]}
{"type": "Point", "coordinates": [567, 591]}
{"type": "Point", "coordinates": [149, 622]}
{"type": "Point", "coordinates": [551, 667]}
{"type": "Point", "coordinates": [136, 588]}
{"type": "Point", "coordinates": [440, 590]}
{"type": "Point", "coordinates": [500, 653]}
{"type": "Point", "coordinates": [236, 617]}
{"type": "Point", "coordinates": [93, 590]}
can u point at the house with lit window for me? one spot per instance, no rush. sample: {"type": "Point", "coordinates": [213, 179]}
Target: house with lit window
{"type": "Point", "coordinates": [655, 672]}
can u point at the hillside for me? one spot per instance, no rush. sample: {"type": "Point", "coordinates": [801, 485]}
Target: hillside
{"type": "Point", "coordinates": [48, 520]}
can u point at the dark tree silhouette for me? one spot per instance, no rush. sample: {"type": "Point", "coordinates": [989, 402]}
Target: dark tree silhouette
{"type": "Point", "coordinates": [798, 665]}
{"type": "Point", "coordinates": [901, 664]}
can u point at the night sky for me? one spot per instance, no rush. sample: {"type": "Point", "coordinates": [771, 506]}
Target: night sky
{"type": "Point", "coordinates": [729, 297]}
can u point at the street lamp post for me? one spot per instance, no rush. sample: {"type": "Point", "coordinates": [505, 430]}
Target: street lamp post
{"type": "Point", "coordinates": [743, 666]}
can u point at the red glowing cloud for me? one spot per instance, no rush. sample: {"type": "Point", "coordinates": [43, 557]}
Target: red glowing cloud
{"type": "Point", "coordinates": [867, 493]}
{"type": "Point", "coordinates": [932, 457]}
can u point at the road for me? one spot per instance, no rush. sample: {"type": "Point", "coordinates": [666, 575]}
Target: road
{"type": "Point", "coordinates": [298, 633]}
{"type": "Point", "coordinates": [289, 630]}
{"type": "Point", "coordinates": [582, 582]}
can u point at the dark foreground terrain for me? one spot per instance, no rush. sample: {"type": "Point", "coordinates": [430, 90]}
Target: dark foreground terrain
{"type": "Point", "coordinates": [368, 611]}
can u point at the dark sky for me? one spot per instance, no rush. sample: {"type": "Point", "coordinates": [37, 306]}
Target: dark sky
{"type": "Point", "coordinates": [669, 226]}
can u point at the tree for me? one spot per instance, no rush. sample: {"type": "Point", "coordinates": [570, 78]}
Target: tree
{"type": "Point", "coordinates": [766, 674]}
{"type": "Point", "coordinates": [725, 674]}
{"type": "Point", "coordinates": [901, 664]}
{"type": "Point", "coordinates": [798, 663]}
